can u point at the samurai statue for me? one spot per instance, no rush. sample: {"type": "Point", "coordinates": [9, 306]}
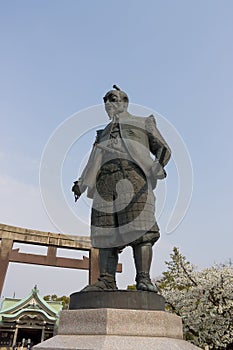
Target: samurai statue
{"type": "Point", "coordinates": [127, 159]}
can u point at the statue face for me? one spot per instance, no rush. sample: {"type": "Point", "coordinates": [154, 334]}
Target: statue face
{"type": "Point", "coordinates": [115, 103]}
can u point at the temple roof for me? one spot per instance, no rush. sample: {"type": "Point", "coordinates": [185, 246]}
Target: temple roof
{"type": "Point", "coordinates": [13, 309]}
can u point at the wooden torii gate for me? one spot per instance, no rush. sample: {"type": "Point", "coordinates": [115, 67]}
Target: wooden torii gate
{"type": "Point", "coordinates": [11, 234]}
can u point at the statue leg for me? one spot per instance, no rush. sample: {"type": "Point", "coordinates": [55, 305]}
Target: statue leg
{"type": "Point", "coordinates": [143, 258]}
{"type": "Point", "coordinates": [108, 259]}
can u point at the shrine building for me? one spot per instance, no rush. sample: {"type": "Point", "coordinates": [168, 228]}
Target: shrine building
{"type": "Point", "coordinates": [29, 321]}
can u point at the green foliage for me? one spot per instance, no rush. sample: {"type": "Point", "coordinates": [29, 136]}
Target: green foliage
{"type": "Point", "coordinates": [132, 287]}
{"type": "Point", "coordinates": [64, 299]}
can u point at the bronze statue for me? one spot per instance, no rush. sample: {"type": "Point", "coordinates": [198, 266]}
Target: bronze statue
{"type": "Point", "coordinates": [120, 177]}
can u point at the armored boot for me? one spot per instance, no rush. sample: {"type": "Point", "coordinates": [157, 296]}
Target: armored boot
{"type": "Point", "coordinates": [108, 259]}
{"type": "Point", "coordinates": [143, 257]}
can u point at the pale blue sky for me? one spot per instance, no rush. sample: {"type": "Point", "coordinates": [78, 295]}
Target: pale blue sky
{"type": "Point", "coordinates": [175, 57]}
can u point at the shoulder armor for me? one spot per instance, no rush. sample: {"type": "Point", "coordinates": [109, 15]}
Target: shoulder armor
{"type": "Point", "coordinates": [151, 119]}
{"type": "Point", "coordinates": [98, 135]}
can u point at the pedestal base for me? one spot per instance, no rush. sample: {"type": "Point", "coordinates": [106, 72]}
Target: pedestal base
{"type": "Point", "coordinates": [117, 329]}
{"type": "Point", "coordinates": [117, 320]}
{"type": "Point", "coordinates": [65, 342]}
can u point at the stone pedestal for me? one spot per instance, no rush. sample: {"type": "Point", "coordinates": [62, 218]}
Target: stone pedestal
{"type": "Point", "coordinates": [118, 328]}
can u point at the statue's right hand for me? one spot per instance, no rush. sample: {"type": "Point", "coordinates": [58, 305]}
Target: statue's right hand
{"type": "Point", "coordinates": [76, 190]}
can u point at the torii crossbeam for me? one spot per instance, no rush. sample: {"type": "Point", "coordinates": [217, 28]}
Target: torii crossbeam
{"type": "Point", "coordinates": [11, 234]}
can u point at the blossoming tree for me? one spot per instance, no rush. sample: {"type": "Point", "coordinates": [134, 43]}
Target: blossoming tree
{"type": "Point", "coordinates": [204, 300]}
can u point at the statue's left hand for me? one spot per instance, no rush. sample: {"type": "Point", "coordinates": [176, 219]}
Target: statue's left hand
{"type": "Point", "coordinates": [76, 190]}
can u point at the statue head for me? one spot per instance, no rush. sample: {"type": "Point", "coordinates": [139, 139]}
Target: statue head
{"type": "Point", "coordinates": [116, 101]}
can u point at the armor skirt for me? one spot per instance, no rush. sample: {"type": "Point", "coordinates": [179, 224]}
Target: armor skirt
{"type": "Point", "coordinates": [123, 211]}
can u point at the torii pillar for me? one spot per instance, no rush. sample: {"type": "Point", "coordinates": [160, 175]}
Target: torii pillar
{"type": "Point", "coordinates": [5, 249]}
